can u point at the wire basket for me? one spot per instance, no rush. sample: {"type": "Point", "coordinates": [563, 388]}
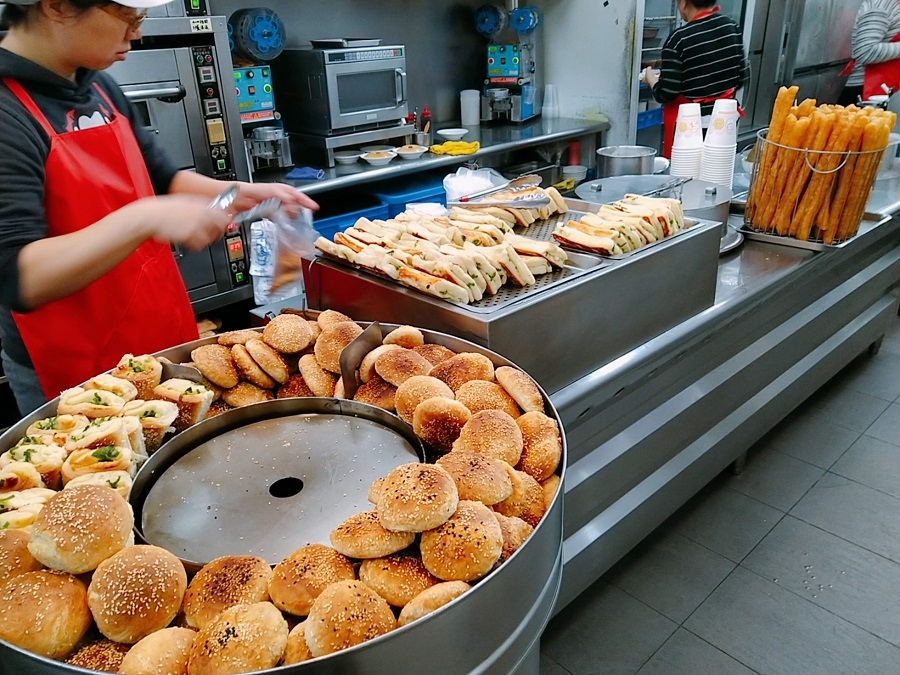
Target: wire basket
{"type": "Point", "coordinates": [809, 195]}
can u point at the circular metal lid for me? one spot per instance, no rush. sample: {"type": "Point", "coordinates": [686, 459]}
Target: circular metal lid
{"type": "Point", "coordinates": [267, 478]}
{"type": "Point", "coordinates": [693, 194]}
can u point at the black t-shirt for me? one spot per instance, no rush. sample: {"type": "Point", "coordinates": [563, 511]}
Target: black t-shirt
{"type": "Point", "coordinates": [24, 146]}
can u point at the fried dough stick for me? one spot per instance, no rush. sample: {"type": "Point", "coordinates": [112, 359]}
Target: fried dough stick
{"type": "Point", "coordinates": [765, 163]}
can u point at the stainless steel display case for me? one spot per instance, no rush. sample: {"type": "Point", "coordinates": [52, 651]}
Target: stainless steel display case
{"type": "Point", "coordinates": [568, 325]}
{"type": "Point", "coordinates": [494, 628]}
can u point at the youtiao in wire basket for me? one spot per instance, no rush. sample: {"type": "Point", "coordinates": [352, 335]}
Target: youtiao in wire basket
{"type": "Point", "coordinates": [814, 169]}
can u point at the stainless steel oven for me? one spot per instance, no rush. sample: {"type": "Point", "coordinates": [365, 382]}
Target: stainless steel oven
{"type": "Point", "coordinates": [180, 78]}
{"type": "Point", "coordinates": [334, 91]}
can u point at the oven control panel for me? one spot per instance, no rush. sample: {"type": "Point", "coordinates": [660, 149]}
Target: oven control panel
{"type": "Point", "coordinates": [209, 90]}
{"type": "Point", "coordinates": [238, 255]}
{"type": "Point", "coordinates": [256, 98]}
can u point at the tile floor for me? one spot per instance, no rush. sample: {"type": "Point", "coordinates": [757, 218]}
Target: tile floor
{"type": "Point", "coordinates": [791, 567]}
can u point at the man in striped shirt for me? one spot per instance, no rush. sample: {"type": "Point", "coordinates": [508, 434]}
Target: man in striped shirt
{"type": "Point", "coordinates": [702, 61]}
{"type": "Point", "coordinates": [877, 26]}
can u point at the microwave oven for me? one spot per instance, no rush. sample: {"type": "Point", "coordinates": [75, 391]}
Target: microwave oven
{"type": "Point", "coordinates": [328, 92]}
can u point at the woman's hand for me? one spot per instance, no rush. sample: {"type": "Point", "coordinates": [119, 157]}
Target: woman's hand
{"type": "Point", "coordinates": [250, 194]}
{"type": "Point", "coordinates": [184, 220]}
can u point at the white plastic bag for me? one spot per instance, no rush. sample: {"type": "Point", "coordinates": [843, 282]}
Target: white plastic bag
{"type": "Point", "coordinates": [278, 245]}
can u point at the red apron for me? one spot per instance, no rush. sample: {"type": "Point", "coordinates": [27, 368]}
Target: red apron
{"type": "Point", "coordinates": [140, 306]}
{"type": "Point", "coordinates": [670, 109]}
{"type": "Point", "coordinates": [886, 72]}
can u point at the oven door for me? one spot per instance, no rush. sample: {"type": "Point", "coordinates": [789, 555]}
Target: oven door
{"type": "Point", "coordinates": [367, 92]}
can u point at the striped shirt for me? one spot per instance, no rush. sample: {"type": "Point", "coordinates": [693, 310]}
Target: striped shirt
{"type": "Point", "coordinates": [702, 59]}
{"type": "Point", "coordinates": [876, 23]}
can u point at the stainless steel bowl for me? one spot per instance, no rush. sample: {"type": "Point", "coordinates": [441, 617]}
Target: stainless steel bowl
{"type": "Point", "coordinates": [625, 160]}
{"type": "Point", "coordinates": [494, 628]}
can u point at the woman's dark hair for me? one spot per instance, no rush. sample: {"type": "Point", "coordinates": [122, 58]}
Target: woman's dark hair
{"type": "Point", "coordinates": [16, 15]}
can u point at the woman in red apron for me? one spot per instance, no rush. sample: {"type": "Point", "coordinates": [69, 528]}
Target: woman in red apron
{"type": "Point", "coordinates": [875, 45]}
{"type": "Point", "coordinates": [86, 269]}
{"type": "Point", "coordinates": [702, 61]}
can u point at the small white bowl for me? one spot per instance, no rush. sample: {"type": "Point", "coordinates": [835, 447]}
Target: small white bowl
{"type": "Point", "coordinates": [347, 156]}
{"type": "Point", "coordinates": [411, 151]}
{"type": "Point", "coordinates": [379, 157]}
{"type": "Point", "coordinates": [452, 134]}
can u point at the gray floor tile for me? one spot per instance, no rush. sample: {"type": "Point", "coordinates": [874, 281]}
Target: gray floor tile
{"type": "Point", "coordinates": [851, 582]}
{"type": "Point", "coordinates": [810, 438]}
{"type": "Point", "coordinates": [853, 512]}
{"type": "Point", "coordinates": [846, 407]}
{"type": "Point", "coordinates": [686, 654]}
{"type": "Point", "coordinates": [875, 374]}
{"type": "Point", "coordinates": [551, 667]}
{"type": "Point", "coordinates": [671, 574]}
{"type": "Point", "coordinates": [773, 631]}
{"type": "Point", "coordinates": [605, 630]}
{"type": "Point", "coordinates": [873, 463]}
{"type": "Point", "coordinates": [775, 479]}
{"type": "Point", "coordinates": [726, 522]}
{"type": "Point", "coordinates": [887, 427]}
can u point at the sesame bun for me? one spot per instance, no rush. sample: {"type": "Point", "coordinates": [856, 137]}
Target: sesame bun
{"type": "Point", "coordinates": [295, 387]}
{"type": "Point", "coordinates": [438, 421]}
{"type": "Point", "coordinates": [416, 497]}
{"type": "Point", "coordinates": [316, 329]}
{"type": "Point", "coordinates": [362, 536]}
{"type": "Point", "coordinates": [493, 433]}
{"type": "Point", "coordinates": [237, 337]}
{"type": "Point", "coordinates": [515, 532]}
{"type": "Point", "coordinates": [374, 493]}
{"type": "Point", "coordinates": [542, 449]}
{"type": "Point", "coordinates": [550, 488]}
{"type": "Point", "coordinates": [246, 394]}
{"type": "Point", "coordinates": [224, 582]}
{"type": "Point", "coordinates": [405, 336]}
{"type": "Point", "coordinates": [464, 548]}
{"type": "Point", "coordinates": [297, 651]}
{"type": "Point", "coordinates": [526, 500]}
{"type": "Point", "coordinates": [397, 578]}
{"type": "Point", "coordinates": [478, 395]}
{"type": "Point", "coordinates": [215, 364]}
{"type": "Point", "coordinates": [339, 391]}
{"type": "Point", "coordinates": [268, 359]}
{"type": "Point", "coordinates": [377, 392]}
{"type": "Point", "coordinates": [81, 527]}
{"type": "Point", "coordinates": [242, 639]}
{"type": "Point", "coordinates": [346, 614]}
{"type": "Point", "coordinates": [461, 368]}
{"type": "Point", "coordinates": [435, 353]}
{"type": "Point", "coordinates": [103, 655]}
{"type": "Point", "coordinates": [398, 365]}
{"type": "Point", "coordinates": [44, 612]}
{"type": "Point", "coordinates": [164, 652]}
{"type": "Point", "coordinates": [249, 368]}
{"type": "Point", "coordinates": [15, 558]}
{"type": "Point", "coordinates": [298, 579]}
{"type": "Point", "coordinates": [521, 387]}
{"type": "Point", "coordinates": [135, 592]}
{"type": "Point", "coordinates": [288, 334]}
{"type": "Point", "coordinates": [431, 599]}
{"type": "Point", "coordinates": [478, 477]}
{"type": "Point", "coordinates": [217, 408]}
{"type": "Point", "coordinates": [415, 390]}
{"type": "Point", "coordinates": [367, 365]}
{"type": "Point", "coordinates": [317, 378]}
{"type": "Point", "coordinates": [329, 317]}
{"type": "Point", "coordinates": [331, 343]}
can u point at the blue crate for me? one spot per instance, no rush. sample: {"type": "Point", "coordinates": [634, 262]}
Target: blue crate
{"type": "Point", "coordinates": [649, 118]}
{"type": "Point", "coordinates": [399, 192]}
{"type": "Point", "coordinates": [333, 214]}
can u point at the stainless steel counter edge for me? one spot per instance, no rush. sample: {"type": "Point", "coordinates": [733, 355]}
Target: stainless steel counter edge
{"type": "Point", "coordinates": [493, 139]}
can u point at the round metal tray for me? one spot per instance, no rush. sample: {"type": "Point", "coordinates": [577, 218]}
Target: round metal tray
{"type": "Point", "coordinates": [494, 628]}
{"type": "Point", "coordinates": [267, 478]}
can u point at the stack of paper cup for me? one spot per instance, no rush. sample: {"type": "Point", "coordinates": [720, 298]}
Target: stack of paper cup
{"type": "Point", "coordinates": [687, 145]}
{"type": "Point", "coordinates": [720, 145]}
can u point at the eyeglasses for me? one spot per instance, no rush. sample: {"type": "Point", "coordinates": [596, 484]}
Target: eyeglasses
{"type": "Point", "coordinates": [133, 17]}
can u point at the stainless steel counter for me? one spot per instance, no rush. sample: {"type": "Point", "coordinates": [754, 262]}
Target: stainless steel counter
{"type": "Point", "coordinates": [494, 140]}
{"type": "Point", "coordinates": [649, 429]}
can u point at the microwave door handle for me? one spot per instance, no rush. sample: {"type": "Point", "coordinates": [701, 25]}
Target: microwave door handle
{"type": "Point", "coordinates": [400, 76]}
{"type": "Point", "coordinates": [169, 94]}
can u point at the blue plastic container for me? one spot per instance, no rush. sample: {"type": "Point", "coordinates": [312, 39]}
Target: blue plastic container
{"type": "Point", "coordinates": [399, 192]}
{"type": "Point", "coordinates": [341, 210]}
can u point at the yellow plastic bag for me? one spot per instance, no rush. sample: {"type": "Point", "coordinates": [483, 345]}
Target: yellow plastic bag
{"type": "Point", "coordinates": [455, 148]}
